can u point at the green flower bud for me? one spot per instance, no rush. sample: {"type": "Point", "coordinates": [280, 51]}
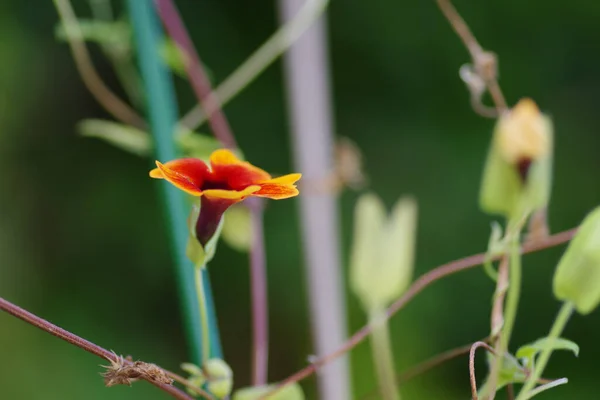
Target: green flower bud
{"type": "Point", "coordinates": [517, 174]}
{"type": "Point", "coordinates": [577, 277]}
{"type": "Point", "coordinates": [219, 377]}
{"type": "Point", "coordinates": [382, 251]}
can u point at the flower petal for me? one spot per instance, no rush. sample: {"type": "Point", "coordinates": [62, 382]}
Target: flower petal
{"type": "Point", "coordinates": [238, 175]}
{"type": "Point", "coordinates": [276, 191]}
{"type": "Point", "coordinates": [237, 195]}
{"type": "Point", "coordinates": [223, 157]}
{"type": "Point", "coordinates": [187, 174]}
{"type": "Point", "coordinates": [288, 179]}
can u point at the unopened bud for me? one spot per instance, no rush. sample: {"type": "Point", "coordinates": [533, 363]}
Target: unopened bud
{"type": "Point", "coordinates": [577, 277]}
{"type": "Point", "coordinates": [518, 172]}
{"type": "Point", "coordinates": [219, 377]}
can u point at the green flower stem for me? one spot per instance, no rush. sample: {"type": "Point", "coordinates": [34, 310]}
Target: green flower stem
{"type": "Point", "coordinates": [514, 293]}
{"type": "Point", "coordinates": [510, 312]}
{"type": "Point", "coordinates": [559, 325]}
{"type": "Point", "coordinates": [383, 356]}
{"type": "Point", "coordinates": [203, 314]}
{"type": "Point", "coordinates": [162, 114]}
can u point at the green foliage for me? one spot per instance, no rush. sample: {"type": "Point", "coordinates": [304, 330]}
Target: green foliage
{"type": "Point", "coordinates": [196, 376]}
{"type": "Point", "coordinates": [237, 231]}
{"type": "Point", "coordinates": [198, 254]}
{"type": "Point", "coordinates": [528, 352]}
{"type": "Point", "coordinates": [382, 250]}
{"type": "Point", "coordinates": [174, 57]}
{"type": "Point", "coordinates": [112, 35]}
{"type": "Point", "coordinates": [119, 135]}
{"type": "Point", "coordinates": [219, 377]}
{"type": "Point", "coordinates": [290, 392]}
{"type": "Point", "coordinates": [577, 277]}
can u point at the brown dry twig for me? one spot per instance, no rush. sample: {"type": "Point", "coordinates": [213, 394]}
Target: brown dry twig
{"type": "Point", "coordinates": [417, 287]}
{"type": "Point", "coordinates": [485, 65]}
{"type": "Point", "coordinates": [121, 370]}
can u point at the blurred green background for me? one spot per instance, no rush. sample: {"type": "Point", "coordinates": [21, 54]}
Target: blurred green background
{"type": "Point", "coordinates": [82, 238]}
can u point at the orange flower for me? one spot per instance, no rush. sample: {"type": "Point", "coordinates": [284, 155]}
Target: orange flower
{"type": "Point", "coordinates": [227, 181]}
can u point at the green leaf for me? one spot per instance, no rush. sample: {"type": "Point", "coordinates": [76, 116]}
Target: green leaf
{"type": "Point", "coordinates": [290, 392]}
{"type": "Point", "coordinates": [529, 351]}
{"type": "Point", "coordinates": [577, 277]}
{"type": "Point", "coordinates": [198, 254]}
{"type": "Point", "coordinates": [219, 377]}
{"type": "Point", "coordinates": [197, 145]}
{"type": "Point", "coordinates": [174, 57]}
{"type": "Point", "coordinates": [237, 231]}
{"type": "Point", "coordinates": [382, 251]}
{"type": "Point", "coordinates": [115, 35]}
{"type": "Point", "coordinates": [120, 135]}
{"type": "Point", "coordinates": [495, 246]}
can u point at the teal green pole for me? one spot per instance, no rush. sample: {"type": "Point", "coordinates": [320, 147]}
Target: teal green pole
{"type": "Point", "coordinates": [162, 116]}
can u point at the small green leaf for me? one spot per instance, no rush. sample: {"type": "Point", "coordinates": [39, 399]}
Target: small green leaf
{"type": "Point", "coordinates": [196, 377]}
{"type": "Point", "coordinates": [114, 35]}
{"type": "Point", "coordinates": [122, 136]}
{"type": "Point", "coordinates": [198, 254]}
{"type": "Point", "coordinates": [495, 246]}
{"type": "Point", "coordinates": [290, 392]}
{"type": "Point", "coordinates": [197, 145]}
{"type": "Point", "coordinates": [174, 57]}
{"type": "Point", "coordinates": [577, 277]}
{"type": "Point", "coordinates": [237, 231]}
{"type": "Point", "coordinates": [530, 351]}
{"type": "Point", "coordinates": [219, 377]}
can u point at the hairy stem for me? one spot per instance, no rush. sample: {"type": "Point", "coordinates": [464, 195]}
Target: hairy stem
{"type": "Point", "coordinates": [559, 325]}
{"type": "Point", "coordinates": [80, 342]}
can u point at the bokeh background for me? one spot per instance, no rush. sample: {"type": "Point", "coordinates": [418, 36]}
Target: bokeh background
{"type": "Point", "coordinates": [82, 238]}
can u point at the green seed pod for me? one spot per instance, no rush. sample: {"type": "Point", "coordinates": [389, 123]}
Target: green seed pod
{"type": "Point", "coordinates": [577, 277]}
{"type": "Point", "coordinates": [219, 377]}
{"type": "Point", "coordinates": [518, 173]}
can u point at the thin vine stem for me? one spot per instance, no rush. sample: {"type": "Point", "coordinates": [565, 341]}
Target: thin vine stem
{"type": "Point", "coordinates": [483, 61]}
{"type": "Point", "coordinates": [254, 65]}
{"type": "Point", "coordinates": [110, 101]}
{"type": "Point", "coordinates": [559, 325]}
{"type": "Point", "coordinates": [472, 378]}
{"type": "Point", "coordinates": [82, 343]}
{"type": "Point", "coordinates": [198, 78]}
{"type": "Point", "coordinates": [417, 287]}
